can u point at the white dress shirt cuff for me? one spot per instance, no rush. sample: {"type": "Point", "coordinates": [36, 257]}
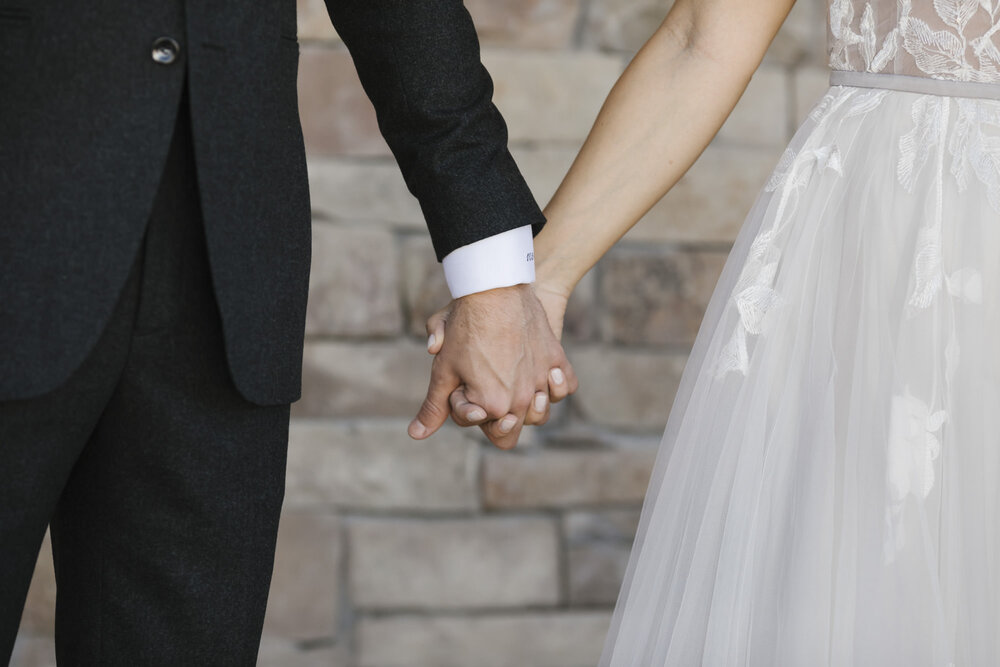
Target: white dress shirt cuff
{"type": "Point", "coordinates": [502, 260]}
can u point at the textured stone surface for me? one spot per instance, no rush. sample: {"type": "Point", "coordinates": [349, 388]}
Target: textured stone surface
{"type": "Point", "coordinates": [369, 191]}
{"type": "Point", "coordinates": [762, 115]}
{"type": "Point", "coordinates": [530, 639]}
{"type": "Point", "coordinates": [550, 97]}
{"type": "Point", "coordinates": [802, 38]}
{"type": "Point", "coordinates": [363, 379]}
{"type": "Point", "coordinates": [30, 651]}
{"type": "Point", "coordinates": [305, 586]}
{"type": "Point", "coordinates": [353, 286]}
{"type": "Point", "coordinates": [623, 25]}
{"type": "Point", "coordinates": [376, 466]}
{"type": "Point", "coordinates": [711, 201]}
{"type": "Point", "coordinates": [539, 24]}
{"type": "Point", "coordinates": [657, 296]}
{"type": "Point", "coordinates": [629, 389]}
{"type": "Point", "coordinates": [39, 613]}
{"type": "Point", "coordinates": [453, 564]}
{"type": "Point", "coordinates": [566, 477]}
{"type": "Point", "coordinates": [425, 290]}
{"type": "Point", "coordinates": [810, 85]}
{"type": "Point", "coordinates": [278, 652]}
{"type": "Point", "coordinates": [337, 117]}
{"type": "Point", "coordinates": [598, 546]}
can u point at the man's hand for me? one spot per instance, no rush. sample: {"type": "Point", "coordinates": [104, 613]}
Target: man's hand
{"type": "Point", "coordinates": [499, 357]}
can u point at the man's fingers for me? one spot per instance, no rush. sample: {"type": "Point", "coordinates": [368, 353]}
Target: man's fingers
{"type": "Point", "coordinates": [539, 412]}
{"type": "Point", "coordinates": [463, 411]}
{"type": "Point", "coordinates": [434, 411]}
{"type": "Point", "coordinates": [435, 330]}
{"type": "Point", "coordinates": [504, 432]}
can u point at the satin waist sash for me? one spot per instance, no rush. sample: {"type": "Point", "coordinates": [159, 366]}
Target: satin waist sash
{"type": "Point", "coordinates": [916, 84]}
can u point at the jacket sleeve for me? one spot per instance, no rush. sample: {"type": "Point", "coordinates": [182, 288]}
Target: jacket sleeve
{"type": "Point", "coordinates": [419, 63]}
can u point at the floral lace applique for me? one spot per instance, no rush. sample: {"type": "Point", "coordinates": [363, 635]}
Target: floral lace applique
{"type": "Point", "coordinates": [912, 449]}
{"type": "Point", "coordinates": [952, 53]}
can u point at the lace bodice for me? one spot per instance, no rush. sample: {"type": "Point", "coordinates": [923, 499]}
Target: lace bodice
{"type": "Point", "coordinates": [955, 40]}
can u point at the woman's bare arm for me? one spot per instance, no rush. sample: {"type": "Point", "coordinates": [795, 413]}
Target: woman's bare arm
{"type": "Point", "coordinates": [658, 118]}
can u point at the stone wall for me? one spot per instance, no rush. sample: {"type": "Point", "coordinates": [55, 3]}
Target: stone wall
{"type": "Point", "coordinates": [448, 553]}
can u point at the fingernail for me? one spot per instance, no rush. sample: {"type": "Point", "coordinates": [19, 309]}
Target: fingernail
{"type": "Point", "coordinates": [430, 341]}
{"type": "Point", "coordinates": [541, 400]}
{"type": "Point", "coordinates": [507, 424]}
{"type": "Point", "coordinates": [417, 430]}
{"type": "Point", "coordinates": [475, 414]}
{"type": "Point", "coordinates": [557, 375]}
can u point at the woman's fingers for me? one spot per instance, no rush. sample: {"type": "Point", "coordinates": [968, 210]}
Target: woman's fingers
{"type": "Point", "coordinates": [463, 411]}
{"type": "Point", "coordinates": [539, 411]}
{"type": "Point", "coordinates": [435, 329]}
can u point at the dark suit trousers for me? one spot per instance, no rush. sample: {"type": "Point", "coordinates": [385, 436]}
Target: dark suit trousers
{"type": "Point", "coordinates": [162, 484]}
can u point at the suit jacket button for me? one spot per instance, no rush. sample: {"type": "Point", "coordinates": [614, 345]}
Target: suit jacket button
{"type": "Point", "coordinates": [165, 50]}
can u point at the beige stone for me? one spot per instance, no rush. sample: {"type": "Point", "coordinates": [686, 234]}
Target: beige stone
{"type": "Point", "coordinates": [32, 651]}
{"type": "Point", "coordinates": [535, 24]}
{"type": "Point", "coordinates": [550, 97]}
{"type": "Point", "coordinates": [657, 296]}
{"type": "Point", "coordinates": [544, 167]}
{"type": "Point", "coordinates": [616, 525]}
{"type": "Point", "coordinates": [342, 189]}
{"type": "Point", "coordinates": [337, 117]}
{"type": "Point", "coordinates": [566, 477]}
{"type": "Point", "coordinates": [376, 466]}
{"type": "Point", "coordinates": [279, 652]}
{"type": "Point", "coordinates": [314, 21]}
{"type": "Point", "coordinates": [711, 201]}
{"type": "Point", "coordinates": [623, 25]}
{"type": "Point", "coordinates": [38, 617]}
{"type": "Point", "coordinates": [802, 38]}
{"type": "Point", "coordinates": [811, 83]}
{"type": "Point", "coordinates": [425, 290]}
{"type": "Point", "coordinates": [454, 563]}
{"type": "Point", "coordinates": [527, 639]}
{"type": "Point", "coordinates": [363, 379]}
{"type": "Point", "coordinates": [596, 572]}
{"type": "Point", "coordinates": [761, 117]}
{"type": "Point", "coordinates": [354, 281]}
{"type": "Point", "coordinates": [305, 586]}
{"type": "Point", "coordinates": [627, 389]}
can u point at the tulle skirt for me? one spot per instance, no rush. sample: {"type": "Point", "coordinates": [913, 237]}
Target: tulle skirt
{"type": "Point", "coordinates": [826, 492]}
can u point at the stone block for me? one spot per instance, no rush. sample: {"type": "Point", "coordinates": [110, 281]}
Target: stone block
{"type": "Point", "coordinates": [802, 38]}
{"type": "Point", "coordinates": [551, 96]}
{"type": "Point", "coordinates": [32, 651]}
{"type": "Point", "coordinates": [314, 22]}
{"type": "Point", "coordinates": [337, 117]}
{"type": "Point", "coordinates": [354, 281]}
{"type": "Point", "coordinates": [623, 25]}
{"type": "Point", "coordinates": [711, 201]}
{"type": "Point", "coordinates": [376, 466]}
{"type": "Point", "coordinates": [761, 117]}
{"type": "Point", "coordinates": [544, 167]}
{"type": "Point", "coordinates": [534, 24]}
{"type": "Point", "coordinates": [279, 652]}
{"type": "Point", "coordinates": [369, 191]}
{"type": "Point", "coordinates": [39, 615]}
{"type": "Point", "coordinates": [425, 290]}
{"type": "Point", "coordinates": [306, 583]}
{"type": "Point", "coordinates": [596, 572]}
{"type": "Point", "coordinates": [811, 84]}
{"type": "Point", "coordinates": [454, 564]}
{"type": "Point", "coordinates": [601, 526]}
{"type": "Point", "coordinates": [656, 296]}
{"type": "Point", "coordinates": [566, 477]}
{"type": "Point", "coordinates": [597, 552]}
{"type": "Point", "coordinates": [628, 389]}
{"type": "Point", "coordinates": [363, 379]}
{"type": "Point", "coordinates": [529, 639]}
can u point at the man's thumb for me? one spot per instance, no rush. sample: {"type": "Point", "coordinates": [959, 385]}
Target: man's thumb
{"type": "Point", "coordinates": [435, 409]}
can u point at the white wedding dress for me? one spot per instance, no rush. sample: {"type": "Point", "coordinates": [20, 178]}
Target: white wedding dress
{"type": "Point", "coordinates": [828, 487]}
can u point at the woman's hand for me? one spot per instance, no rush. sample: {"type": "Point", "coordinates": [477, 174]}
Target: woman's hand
{"type": "Point", "coordinates": [466, 413]}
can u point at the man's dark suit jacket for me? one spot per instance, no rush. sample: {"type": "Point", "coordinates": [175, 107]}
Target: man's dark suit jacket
{"type": "Point", "coordinates": [86, 116]}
